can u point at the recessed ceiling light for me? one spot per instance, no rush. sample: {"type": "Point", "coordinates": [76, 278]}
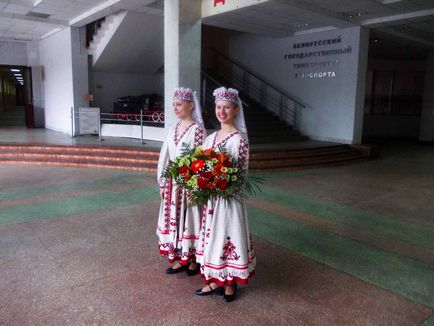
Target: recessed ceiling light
{"type": "Point", "coordinates": [354, 13]}
{"type": "Point", "coordinates": [375, 40]}
{"type": "Point", "coordinates": [386, 2]}
{"type": "Point", "coordinates": [301, 25]}
{"type": "Point", "coordinates": [15, 70]}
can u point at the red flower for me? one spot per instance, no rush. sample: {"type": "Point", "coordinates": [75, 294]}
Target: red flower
{"type": "Point", "coordinates": [217, 169]}
{"type": "Point", "coordinates": [228, 163]}
{"type": "Point", "coordinates": [206, 175]}
{"type": "Point", "coordinates": [221, 184]}
{"type": "Point", "coordinates": [197, 165]}
{"type": "Point", "coordinates": [202, 183]}
{"type": "Point", "coordinates": [208, 152]}
{"type": "Point", "coordinates": [183, 169]}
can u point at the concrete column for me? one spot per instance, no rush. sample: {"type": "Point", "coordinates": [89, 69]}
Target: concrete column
{"type": "Point", "coordinates": [362, 67]}
{"type": "Point", "coordinates": [80, 70]}
{"type": "Point", "coordinates": [427, 116]}
{"type": "Point", "coordinates": [64, 62]}
{"type": "Point", "coordinates": [182, 49]}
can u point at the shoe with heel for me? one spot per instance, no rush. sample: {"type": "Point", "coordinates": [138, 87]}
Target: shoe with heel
{"type": "Point", "coordinates": [172, 270]}
{"type": "Point", "coordinates": [191, 272]}
{"type": "Point", "coordinates": [230, 297]}
{"type": "Point", "coordinates": [218, 290]}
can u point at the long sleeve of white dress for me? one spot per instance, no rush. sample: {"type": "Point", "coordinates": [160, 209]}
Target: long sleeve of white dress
{"type": "Point", "coordinates": [162, 163]}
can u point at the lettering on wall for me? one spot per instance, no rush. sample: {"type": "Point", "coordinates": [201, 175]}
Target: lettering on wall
{"type": "Point", "coordinates": [311, 50]}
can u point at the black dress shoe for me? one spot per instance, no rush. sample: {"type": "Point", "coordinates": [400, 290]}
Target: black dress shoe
{"type": "Point", "coordinates": [191, 272]}
{"type": "Point", "coordinates": [218, 290]}
{"type": "Point", "coordinates": [230, 297]}
{"type": "Point", "coordinates": [172, 270]}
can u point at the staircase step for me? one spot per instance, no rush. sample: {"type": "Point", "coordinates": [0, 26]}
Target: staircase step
{"type": "Point", "coordinates": [297, 153]}
{"type": "Point", "coordinates": [87, 150]}
{"type": "Point", "coordinates": [81, 164]}
{"type": "Point", "coordinates": [310, 159]}
{"type": "Point", "coordinates": [309, 165]}
{"type": "Point", "coordinates": [147, 160]}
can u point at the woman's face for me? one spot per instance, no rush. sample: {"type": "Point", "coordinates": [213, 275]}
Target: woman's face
{"type": "Point", "coordinates": [226, 112]}
{"type": "Point", "coordinates": [183, 109]}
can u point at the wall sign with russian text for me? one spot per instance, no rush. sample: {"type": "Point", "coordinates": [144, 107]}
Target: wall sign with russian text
{"type": "Point", "coordinates": [319, 64]}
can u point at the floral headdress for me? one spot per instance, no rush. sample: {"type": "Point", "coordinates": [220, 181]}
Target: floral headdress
{"type": "Point", "coordinates": [183, 93]}
{"type": "Point", "coordinates": [226, 94]}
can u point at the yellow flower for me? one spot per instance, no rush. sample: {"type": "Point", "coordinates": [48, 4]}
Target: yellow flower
{"type": "Point", "coordinates": [224, 169]}
{"type": "Point", "coordinates": [198, 151]}
{"type": "Point", "coordinates": [234, 178]}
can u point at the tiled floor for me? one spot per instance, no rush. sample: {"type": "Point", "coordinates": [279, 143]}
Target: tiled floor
{"type": "Point", "coordinates": [349, 245]}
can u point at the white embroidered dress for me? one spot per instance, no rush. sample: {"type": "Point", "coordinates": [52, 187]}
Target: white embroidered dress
{"type": "Point", "coordinates": [225, 251]}
{"type": "Point", "coordinates": [178, 223]}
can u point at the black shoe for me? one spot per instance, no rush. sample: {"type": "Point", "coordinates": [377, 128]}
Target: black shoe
{"type": "Point", "coordinates": [191, 272]}
{"type": "Point", "coordinates": [172, 270]}
{"type": "Point", "coordinates": [218, 290]}
{"type": "Point", "coordinates": [230, 297]}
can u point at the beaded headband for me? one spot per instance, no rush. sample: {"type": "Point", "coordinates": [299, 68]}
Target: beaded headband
{"type": "Point", "coordinates": [183, 93]}
{"type": "Point", "coordinates": [226, 94]}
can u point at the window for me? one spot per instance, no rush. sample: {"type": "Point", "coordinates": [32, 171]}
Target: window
{"type": "Point", "coordinates": [394, 92]}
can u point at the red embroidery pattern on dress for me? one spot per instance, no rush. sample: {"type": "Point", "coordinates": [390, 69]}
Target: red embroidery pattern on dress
{"type": "Point", "coordinates": [198, 136]}
{"type": "Point", "coordinates": [178, 208]}
{"type": "Point", "coordinates": [229, 252]}
{"type": "Point", "coordinates": [167, 199]}
{"type": "Point", "coordinates": [215, 144]}
{"type": "Point", "coordinates": [243, 151]}
{"type": "Point", "coordinates": [202, 230]}
{"type": "Point", "coordinates": [177, 139]}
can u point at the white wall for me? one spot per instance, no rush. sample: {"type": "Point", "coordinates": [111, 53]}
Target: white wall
{"type": "Point", "coordinates": [335, 110]}
{"type": "Point", "coordinates": [107, 87]}
{"type": "Point", "coordinates": [64, 74]}
{"type": "Point", "coordinates": [13, 53]}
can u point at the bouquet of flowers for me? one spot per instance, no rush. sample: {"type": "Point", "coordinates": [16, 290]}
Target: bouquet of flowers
{"type": "Point", "coordinates": [208, 173]}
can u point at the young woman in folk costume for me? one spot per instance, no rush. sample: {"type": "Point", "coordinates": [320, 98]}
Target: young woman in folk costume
{"type": "Point", "coordinates": [179, 223]}
{"type": "Point", "coordinates": [224, 251]}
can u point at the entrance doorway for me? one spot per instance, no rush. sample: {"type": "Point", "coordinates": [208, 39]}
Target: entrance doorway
{"type": "Point", "coordinates": [16, 107]}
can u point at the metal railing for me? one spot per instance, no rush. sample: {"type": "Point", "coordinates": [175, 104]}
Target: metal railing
{"type": "Point", "coordinates": [220, 69]}
{"type": "Point", "coordinates": [209, 84]}
{"type": "Point", "coordinates": [144, 118]}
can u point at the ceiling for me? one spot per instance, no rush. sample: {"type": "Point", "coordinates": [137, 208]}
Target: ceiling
{"type": "Point", "coordinates": [401, 23]}
{"type": "Point", "coordinates": [26, 20]}
{"type": "Point", "coordinates": [404, 23]}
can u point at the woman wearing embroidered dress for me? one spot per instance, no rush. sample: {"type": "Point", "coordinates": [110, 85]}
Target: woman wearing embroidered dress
{"type": "Point", "coordinates": [179, 223]}
{"type": "Point", "coordinates": [224, 250]}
